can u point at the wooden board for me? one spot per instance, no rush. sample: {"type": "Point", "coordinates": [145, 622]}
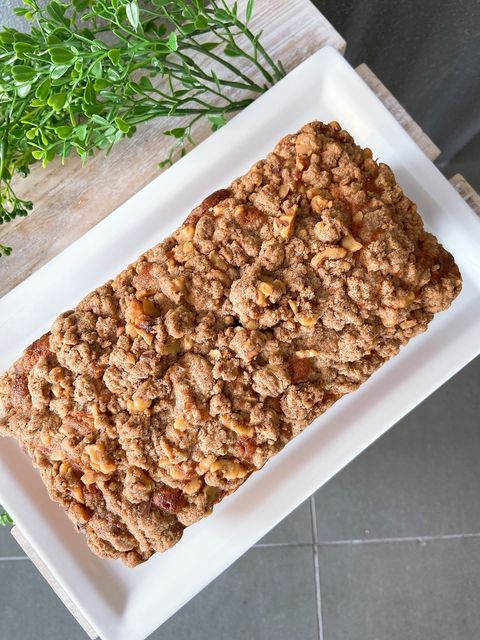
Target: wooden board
{"type": "Point", "coordinates": [468, 193]}
{"type": "Point", "coordinates": [404, 118]}
{"type": "Point", "coordinates": [70, 200]}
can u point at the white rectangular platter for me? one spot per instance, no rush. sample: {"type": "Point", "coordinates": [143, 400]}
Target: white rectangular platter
{"type": "Point", "coordinates": [126, 604]}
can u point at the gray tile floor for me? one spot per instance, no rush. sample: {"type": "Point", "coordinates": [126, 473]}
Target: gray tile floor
{"type": "Point", "coordinates": [389, 549]}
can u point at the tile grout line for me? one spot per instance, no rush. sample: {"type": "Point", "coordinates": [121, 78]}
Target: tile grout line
{"type": "Point", "coordinates": [448, 536]}
{"type": "Point", "coordinates": [316, 567]}
{"type": "Point", "coordinates": [14, 558]}
{"type": "Point", "coordinates": [273, 545]}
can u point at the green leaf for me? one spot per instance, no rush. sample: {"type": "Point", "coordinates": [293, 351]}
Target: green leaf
{"type": "Point", "coordinates": [172, 42]}
{"type": "Point", "coordinates": [7, 36]}
{"type": "Point", "coordinates": [61, 55]}
{"type": "Point", "coordinates": [81, 131]}
{"type": "Point", "coordinates": [160, 50]}
{"type": "Point", "coordinates": [178, 132]}
{"type": "Point", "coordinates": [114, 55]}
{"type": "Point", "coordinates": [87, 33]}
{"type": "Point", "coordinates": [31, 134]}
{"type": "Point", "coordinates": [82, 153]}
{"type": "Point", "coordinates": [64, 132]}
{"type": "Point", "coordinates": [217, 81]}
{"type": "Point", "coordinates": [57, 101]}
{"type": "Point", "coordinates": [101, 120]}
{"type": "Point", "coordinates": [23, 37]}
{"type": "Point", "coordinates": [113, 75]}
{"type": "Point", "coordinates": [21, 73]}
{"type": "Point", "coordinates": [123, 126]}
{"type": "Point", "coordinates": [80, 5]}
{"type": "Point", "coordinates": [217, 121]}
{"type": "Point", "coordinates": [53, 39]}
{"type": "Point", "coordinates": [37, 154]}
{"type": "Point", "coordinates": [188, 28]}
{"type": "Point", "coordinates": [96, 70]}
{"type": "Point", "coordinates": [43, 89]}
{"type": "Point", "coordinates": [23, 90]}
{"type": "Point", "coordinates": [250, 4]}
{"type": "Point", "coordinates": [58, 72]}
{"type": "Point", "coordinates": [90, 109]}
{"type": "Point", "coordinates": [210, 46]}
{"type": "Point", "coordinates": [49, 156]}
{"type": "Point", "coordinates": [90, 95]}
{"type": "Point", "coordinates": [145, 83]}
{"type": "Point", "coordinates": [58, 82]}
{"type": "Point", "coordinates": [100, 84]}
{"type": "Point", "coordinates": [133, 14]}
{"type": "Point", "coordinates": [21, 11]}
{"type": "Point", "coordinates": [201, 23]}
{"type": "Point", "coordinates": [57, 12]}
{"type": "Point", "coordinates": [232, 50]}
{"type": "Point", "coordinates": [24, 50]}
{"type": "Point", "coordinates": [222, 15]}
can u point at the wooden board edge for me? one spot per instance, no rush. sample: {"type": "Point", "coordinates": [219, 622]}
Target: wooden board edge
{"type": "Point", "coordinates": [468, 193]}
{"type": "Point", "coordinates": [400, 113]}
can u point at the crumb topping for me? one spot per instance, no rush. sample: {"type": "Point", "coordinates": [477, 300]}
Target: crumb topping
{"type": "Point", "coordinates": [164, 389]}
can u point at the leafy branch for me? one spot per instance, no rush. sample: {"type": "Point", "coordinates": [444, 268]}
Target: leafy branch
{"type": "Point", "coordinates": [81, 79]}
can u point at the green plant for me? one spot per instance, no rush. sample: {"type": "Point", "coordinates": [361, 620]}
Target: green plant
{"type": "Point", "coordinates": [81, 79]}
{"type": "Point", "coordinates": [5, 519]}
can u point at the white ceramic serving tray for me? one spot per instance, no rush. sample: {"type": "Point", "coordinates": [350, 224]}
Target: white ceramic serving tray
{"type": "Point", "coordinates": [126, 604]}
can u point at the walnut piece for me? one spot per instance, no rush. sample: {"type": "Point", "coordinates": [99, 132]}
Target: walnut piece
{"type": "Point", "coordinates": [180, 424]}
{"type": "Point", "coordinates": [99, 459]}
{"type": "Point", "coordinates": [330, 253]}
{"type": "Point", "coordinates": [307, 353]}
{"type": "Point", "coordinates": [349, 242]}
{"type": "Point", "coordinates": [234, 425]}
{"type": "Point", "coordinates": [137, 404]}
{"type": "Point", "coordinates": [185, 233]}
{"type": "Point", "coordinates": [284, 224]}
{"type": "Point", "coordinates": [264, 290]}
{"type": "Point", "coordinates": [229, 469]}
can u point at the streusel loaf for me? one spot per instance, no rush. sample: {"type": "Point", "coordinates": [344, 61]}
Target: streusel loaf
{"type": "Point", "coordinates": [164, 389]}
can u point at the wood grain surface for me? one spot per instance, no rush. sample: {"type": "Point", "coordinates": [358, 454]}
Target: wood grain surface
{"type": "Point", "coordinates": [69, 199]}
{"type": "Point", "coordinates": [468, 193]}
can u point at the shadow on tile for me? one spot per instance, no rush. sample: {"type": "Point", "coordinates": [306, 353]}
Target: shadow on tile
{"type": "Point", "coordinates": [421, 478]}
{"type": "Point", "coordinates": [269, 594]}
{"type": "Point", "coordinates": [401, 590]}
